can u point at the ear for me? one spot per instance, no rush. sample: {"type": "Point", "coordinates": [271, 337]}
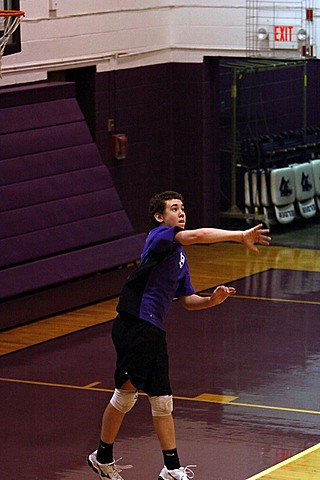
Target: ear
{"type": "Point", "coordinates": [159, 217]}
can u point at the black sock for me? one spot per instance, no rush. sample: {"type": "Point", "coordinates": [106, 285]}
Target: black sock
{"type": "Point", "coordinates": [171, 459]}
{"type": "Point", "coordinates": [105, 452]}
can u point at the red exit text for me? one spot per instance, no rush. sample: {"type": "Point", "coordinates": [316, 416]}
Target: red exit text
{"type": "Point", "coordinates": [283, 33]}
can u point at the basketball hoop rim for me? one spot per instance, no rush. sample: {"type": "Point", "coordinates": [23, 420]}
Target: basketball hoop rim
{"type": "Point", "coordinates": [12, 13]}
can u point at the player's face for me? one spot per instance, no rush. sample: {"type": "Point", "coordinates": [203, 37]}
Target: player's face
{"type": "Point", "coordinates": [173, 214]}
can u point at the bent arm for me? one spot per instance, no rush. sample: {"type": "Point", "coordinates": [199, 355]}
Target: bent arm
{"type": "Point", "coordinates": [197, 302]}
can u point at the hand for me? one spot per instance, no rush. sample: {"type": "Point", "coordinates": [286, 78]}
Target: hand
{"type": "Point", "coordinates": [256, 235]}
{"type": "Point", "coordinates": [221, 293]}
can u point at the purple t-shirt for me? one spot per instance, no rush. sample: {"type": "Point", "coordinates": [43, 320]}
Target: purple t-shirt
{"type": "Point", "coordinates": [162, 275]}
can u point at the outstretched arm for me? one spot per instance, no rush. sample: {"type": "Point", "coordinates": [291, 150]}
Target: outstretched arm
{"type": "Point", "coordinates": [196, 302]}
{"type": "Point", "coordinates": [214, 235]}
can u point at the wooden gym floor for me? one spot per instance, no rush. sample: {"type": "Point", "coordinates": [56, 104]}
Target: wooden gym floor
{"type": "Point", "coordinates": [245, 376]}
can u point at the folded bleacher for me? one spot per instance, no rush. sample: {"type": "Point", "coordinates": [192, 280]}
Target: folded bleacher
{"type": "Point", "coordinates": [65, 239]}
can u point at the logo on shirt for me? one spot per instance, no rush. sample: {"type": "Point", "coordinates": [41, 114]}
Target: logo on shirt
{"type": "Point", "coordinates": [182, 260]}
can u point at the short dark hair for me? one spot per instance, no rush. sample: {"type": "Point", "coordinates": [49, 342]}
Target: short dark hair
{"type": "Point", "coordinates": [158, 202]}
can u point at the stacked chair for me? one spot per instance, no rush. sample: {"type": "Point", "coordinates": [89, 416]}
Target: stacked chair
{"type": "Point", "coordinates": [315, 165]}
{"type": "Point", "coordinates": [282, 176]}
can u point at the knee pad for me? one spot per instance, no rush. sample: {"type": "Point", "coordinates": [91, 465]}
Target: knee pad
{"type": "Point", "coordinates": [124, 400]}
{"type": "Point", "coordinates": [161, 406]}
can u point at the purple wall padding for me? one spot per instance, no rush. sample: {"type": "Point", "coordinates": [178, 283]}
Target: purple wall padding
{"type": "Point", "coordinates": [38, 165]}
{"type": "Point", "coordinates": [69, 266]}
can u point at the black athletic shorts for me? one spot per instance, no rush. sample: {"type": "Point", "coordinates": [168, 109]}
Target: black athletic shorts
{"type": "Point", "coordinates": [141, 355]}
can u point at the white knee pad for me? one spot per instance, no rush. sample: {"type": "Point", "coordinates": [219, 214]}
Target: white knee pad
{"type": "Point", "coordinates": [161, 406]}
{"type": "Point", "coordinates": [124, 400]}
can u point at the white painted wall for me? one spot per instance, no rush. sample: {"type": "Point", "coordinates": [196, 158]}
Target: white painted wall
{"type": "Point", "coordinates": [115, 34]}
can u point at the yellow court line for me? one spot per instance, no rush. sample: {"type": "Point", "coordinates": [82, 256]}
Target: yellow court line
{"type": "Point", "coordinates": [205, 398]}
{"type": "Point", "coordinates": [93, 384]}
{"type": "Point", "coordinates": [58, 385]}
{"type": "Point", "coordinates": [215, 398]}
{"type": "Point", "coordinates": [248, 405]}
{"type": "Point", "coordinates": [295, 458]}
{"type": "Point", "coordinates": [270, 407]}
{"type": "Point", "coordinates": [271, 299]}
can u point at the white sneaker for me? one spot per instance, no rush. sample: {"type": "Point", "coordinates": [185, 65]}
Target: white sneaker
{"type": "Point", "coordinates": [106, 470]}
{"type": "Point", "coordinates": [182, 473]}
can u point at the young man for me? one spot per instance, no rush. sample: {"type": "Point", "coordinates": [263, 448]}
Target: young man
{"type": "Point", "coordinates": [138, 331]}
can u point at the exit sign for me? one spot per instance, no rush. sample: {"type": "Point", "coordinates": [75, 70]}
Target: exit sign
{"type": "Point", "coordinates": [283, 33]}
{"type": "Point", "coordinates": [285, 36]}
